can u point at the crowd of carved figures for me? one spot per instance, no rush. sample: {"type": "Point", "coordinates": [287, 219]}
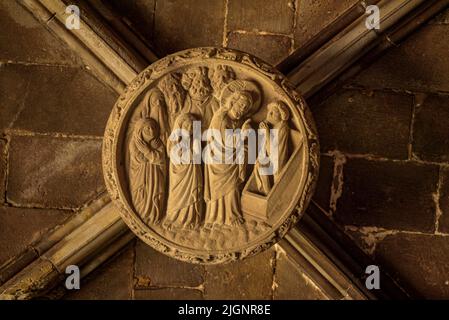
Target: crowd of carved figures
{"type": "Point", "coordinates": [192, 195]}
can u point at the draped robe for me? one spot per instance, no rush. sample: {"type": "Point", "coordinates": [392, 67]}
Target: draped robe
{"type": "Point", "coordinates": [223, 181]}
{"type": "Point", "coordinates": [185, 197]}
{"type": "Point", "coordinates": [264, 183]}
{"type": "Point", "coordinates": [147, 179]}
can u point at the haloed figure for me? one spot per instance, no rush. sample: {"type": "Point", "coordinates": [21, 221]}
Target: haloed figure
{"type": "Point", "coordinates": [224, 180]}
{"type": "Point", "coordinates": [277, 119]}
{"type": "Point", "coordinates": [147, 173]}
{"type": "Point", "coordinates": [185, 197]}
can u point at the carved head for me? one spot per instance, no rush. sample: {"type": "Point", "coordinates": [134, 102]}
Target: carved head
{"type": "Point", "coordinates": [156, 99]}
{"type": "Point", "coordinates": [196, 82]}
{"type": "Point", "coordinates": [239, 104]}
{"type": "Point", "coordinates": [185, 121]}
{"type": "Point", "coordinates": [220, 76]}
{"type": "Point", "coordinates": [173, 92]}
{"type": "Point", "coordinates": [277, 112]}
{"type": "Point", "coordinates": [147, 130]}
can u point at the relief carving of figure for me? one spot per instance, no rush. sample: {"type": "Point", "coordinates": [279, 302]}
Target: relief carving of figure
{"type": "Point", "coordinates": [185, 198]}
{"type": "Point", "coordinates": [156, 108]}
{"type": "Point", "coordinates": [200, 100]}
{"type": "Point", "coordinates": [147, 172]}
{"type": "Point", "coordinates": [219, 77]}
{"type": "Point", "coordinates": [223, 181]}
{"type": "Point", "coordinates": [174, 95]}
{"type": "Point", "coordinates": [277, 118]}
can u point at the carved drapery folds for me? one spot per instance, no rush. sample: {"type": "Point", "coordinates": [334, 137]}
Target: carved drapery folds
{"type": "Point", "coordinates": [210, 156]}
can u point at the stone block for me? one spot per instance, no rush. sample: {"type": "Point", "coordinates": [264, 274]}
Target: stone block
{"type": "Point", "coordinates": [271, 48]}
{"type": "Point", "coordinates": [183, 24]}
{"type": "Point", "coordinates": [168, 294]}
{"type": "Point", "coordinates": [138, 13]}
{"type": "Point", "coordinates": [444, 201]}
{"type": "Point", "coordinates": [111, 281]}
{"type": "Point", "coordinates": [376, 123]}
{"type": "Point", "coordinates": [154, 269]}
{"type": "Point", "coordinates": [322, 193]}
{"type": "Point", "coordinates": [48, 99]}
{"type": "Point", "coordinates": [293, 284]}
{"type": "Point", "coordinates": [418, 262]}
{"type": "Point", "coordinates": [2, 170]}
{"type": "Point", "coordinates": [19, 227]}
{"type": "Point", "coordinates": [388, 194]}
{"type": "Point", "coordinates": [313, 16]}
{"type": "Point", "coordinates": [24, 39]}
{"type": "Point", "coordinates": [248, 279]}
{"type": "Point", "coordinates": [54, 172]}
{"type": "Point", "coordinates": [420, 63]}
{"type": "Point", "coordinates": [431, 129]}
{"type": "Point", "coordinates": [261, 15]}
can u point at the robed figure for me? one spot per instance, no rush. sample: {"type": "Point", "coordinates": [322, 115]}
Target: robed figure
{"type": "Point", "coordinates": [225, 177]}
{"type": "Point", "coordinates": [185, 197]}
{"type": "Point", "coordinates": [277, 119]}
{"type": "Point", "coordinates": [147, 172]}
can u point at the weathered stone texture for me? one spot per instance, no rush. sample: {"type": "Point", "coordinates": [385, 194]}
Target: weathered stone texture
{"type": "Point", "coordinates": [154, 269]}
{"type": "Point", "coordinates": [139, 14]}
{"type": "Point", "coordinates": [2, 170]}
{"type": "Point", "coordinates": [292, 284]}
{"type": "Point", "coordinates": [418, 261]}
{"type": "Point", "coordinates": [54, 172]}
{"type": "Point", "coordinates": [13, 88]}
{"type": "Point", "coordinates": [271, 48]}
{"type": "Point", "coordinates": [248, 279]}
{"type": "Point", "coordinates": [388, 194]}
{"type": "Point", "coordinates": [313, 16]}
{"type": "Point", "coordinates": [325, 178]}
{"type": "Point", "coordinates": [112, 281]}
{"type": "Point", "coordinates": [168, 294]}
{"type": "Point", "coordinates": [20, 227]}
{"type": "Point", "coordinates": [182, 24]}
{"type": "Point", "coordinates": [49, 99]}
{"type": "Point", "coordinates": [261, 15]}
{"type": "Point", "coordinates": [23, 39]}
{"type": "Point", "coordinates": [442, 18]}
{"type": "Point", "coordinates": [443, 220]}
{"type": "Point", "coordinates": [431, 129]}
{"type": "Point", "coordinates": [420, 63]}
{"type": "Point", "coordinates": [359, 122]}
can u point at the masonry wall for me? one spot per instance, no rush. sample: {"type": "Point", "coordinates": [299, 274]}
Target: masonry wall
{"type": "Point", "coordinates": [52, 115]}
{"type": "Point", "coordinates": [384, 136]}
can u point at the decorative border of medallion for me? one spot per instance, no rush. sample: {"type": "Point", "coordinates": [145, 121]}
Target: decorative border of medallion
{"type": "Point", "coordinates": [111, 160]}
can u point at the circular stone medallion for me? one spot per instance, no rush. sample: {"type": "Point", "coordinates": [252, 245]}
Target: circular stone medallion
{"type": "Point", "coordinates": [210, 155]}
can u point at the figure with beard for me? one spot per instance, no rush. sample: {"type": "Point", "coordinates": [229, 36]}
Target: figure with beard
{"type": "Point", "coordinates": [174, 95]}
{"type": "Point", "coordinates": [199, 101]}
{"type": "Point", "coordinates": [219, 77]}
{"type": "Point", "coordinates": [147, 172]}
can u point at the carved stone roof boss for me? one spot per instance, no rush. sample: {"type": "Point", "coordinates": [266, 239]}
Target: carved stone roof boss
{"type": "Point", "coordinates": [210, 155]}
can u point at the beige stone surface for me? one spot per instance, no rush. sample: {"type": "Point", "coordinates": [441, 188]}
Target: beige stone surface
{"type": "Point", "coordinates": [24, 40]}
{"type": "Point", "coordinates": [21, 226]}
{"type": "Point", "coordinates": [419, 65]}
{"type": "Point", "coordinates": [113, 281]}
{"type": "Point", "coordinates": [290, 283]}
{"type": "Point", "coordinates": [53, 172]}
{"type": "Point", "coordinates": [249, 279]}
